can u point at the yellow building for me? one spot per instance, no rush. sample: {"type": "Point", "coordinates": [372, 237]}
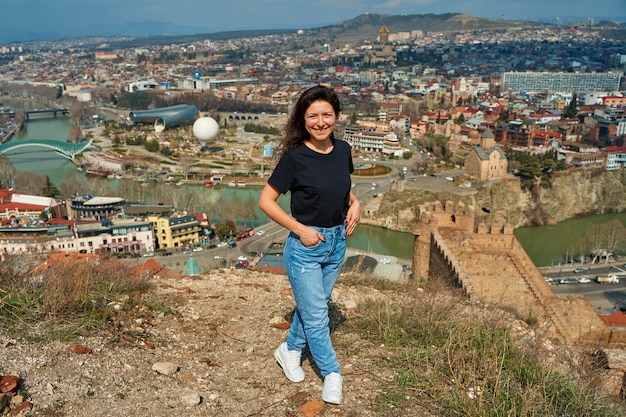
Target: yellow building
{"type": "Point", "coordinates": [486, 160]}
{"type": "Point", "coordinates": [175, 231]}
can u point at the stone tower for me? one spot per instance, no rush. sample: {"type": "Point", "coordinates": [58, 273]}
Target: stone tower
{"type": "Point", "coordinates": [432, 217]}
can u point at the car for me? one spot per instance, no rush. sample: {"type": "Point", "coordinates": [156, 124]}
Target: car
{"type": "Point", "coordinates": [187, 251]}
{"type": "Point", "coordinates": [565, 281]}
{"type": "Point", "coordinates": [198, 249]}
{"type": "Point", "coordinates": [260, 232]}
{"type": "Point", "coordinates": [168, 253]}
{"type": "Point", "coordinates": [148, 255]}
{"type": "Point", "coordinates": [218, 257]}
{"type": "Point", "coordinates": [242, 258]}
{"type": "Point", "coordinates": [222, 244]}
{"type": "Point", "coordinates": [584, 280]}
{"type": "Point", "coordinates": [579, 270]}
{"type": "Point", "coordinates": [211, 246]}
{"type": "Point", "coordinates": [449, 178]}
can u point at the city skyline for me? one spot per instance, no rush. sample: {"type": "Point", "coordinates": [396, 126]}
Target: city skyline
{"type": "Point", "coordinates": [23, 20]}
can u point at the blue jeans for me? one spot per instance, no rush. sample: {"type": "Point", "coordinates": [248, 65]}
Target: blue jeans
{"type": "Point", "coordinates": [312, 273]}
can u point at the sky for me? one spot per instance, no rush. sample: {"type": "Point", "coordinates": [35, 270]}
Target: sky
{"type": "Point", "coordinates": [78, 18]}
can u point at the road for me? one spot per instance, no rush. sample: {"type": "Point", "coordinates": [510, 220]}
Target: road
{"type": "Point", "coordinates": [606, 298]}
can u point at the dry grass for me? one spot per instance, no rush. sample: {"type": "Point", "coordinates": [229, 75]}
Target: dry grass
{"type": "Point", "coordinates": [464, 361]}
{"type": "Point", "coordinates": [73, 297]}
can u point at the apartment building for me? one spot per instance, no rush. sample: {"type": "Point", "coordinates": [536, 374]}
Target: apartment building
{"type": "Point", "coordinates": [114, 236]}
{"type": "Point", "coordinates": [560, 82]}
{"type": "Point", "coordinates": [175, 231]}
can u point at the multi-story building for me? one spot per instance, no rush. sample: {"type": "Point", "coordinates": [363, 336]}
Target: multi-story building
{"type": "Point", "coordinates": [175, 231]}
{"type": "Point", "coordinates": [212, 83]}
{"type": "Point", "coordinates": [615, 157]}
{"type": "Point", "coordinates": [97, 208]}
{"type": "Point", "coordinates": [370, 141]}
{"type": "Point", "coordinates": [114, 236]}
{"type": "Point", "coordinates": [561, 82]}
{"type": "Point", "coordinates": [21, 209]}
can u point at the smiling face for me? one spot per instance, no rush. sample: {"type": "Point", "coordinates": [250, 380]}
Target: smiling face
{"type": "Point", "coordinates": [320, 120]}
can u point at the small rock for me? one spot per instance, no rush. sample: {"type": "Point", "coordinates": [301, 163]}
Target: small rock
{"type": "Point", "coordinates": [79, 350]}
{"type": "Point", "coordinates": [190, 398]}
{"type": "Point", "coordinates": [165, 368]}
{"type": "Point", "coordinates": [17, 410]}
{"type": "Point", "coordinates": [9, 383]}
{"type": "Point", "coordinates": [311, 408]}
{"type": "Point", "coordinates": [17, 400]}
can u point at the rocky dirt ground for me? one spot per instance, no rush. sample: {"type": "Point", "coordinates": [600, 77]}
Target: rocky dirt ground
{"type": "Point", "coordinates": [213, 356]}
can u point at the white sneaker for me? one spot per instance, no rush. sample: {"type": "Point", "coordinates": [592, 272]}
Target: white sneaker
{"type": "Point", "coordinates": [289, 360]}
{"type": "Point", "coordinates": [332, 388]}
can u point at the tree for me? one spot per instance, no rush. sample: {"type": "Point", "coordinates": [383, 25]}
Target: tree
{"type": "Point", "coordinates": [7, 172]}
{"type": "Point", "coordinates": [572, 108]}
{"type": "Point", "coordinates": [75, 134]}
{"type": "Point", "coordinates": [529, 170]}
{"type": "Point", "coordinates": [29, 182]}
{"type": "Point", "coordinates": [72, 185]}
{"type": "Point", "coordinates": [151, 145]}
{"type": "Point", "coordinates": [50, 190]}
{"type": "Point", "coordinates": [602, 240]}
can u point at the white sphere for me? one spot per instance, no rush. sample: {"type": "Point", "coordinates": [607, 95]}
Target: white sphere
{"type": "Point", "coordinates": [205, 128]}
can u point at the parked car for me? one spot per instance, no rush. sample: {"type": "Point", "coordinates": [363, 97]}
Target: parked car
{"type": "Point", "coordinates": [450, 178]}
{"type": "Point", "coordinates": [242, 258]}
{"type": "Point", "coordinates": [218, 257]}
{"type": "Point", "coordinates": [241, 265]}
{"type": "Point", "coordinates": [167, 253]}
{"type": "Point", "coordinates": [579, 270]}
{"type": "Point", "coordinates": [198, 249]}
{"type": "Point", "coordinates": [148, 255]}
{"type": "Point", "coordinates": [222, 244]}
{"type": "Point", "coordinates": [187, 251]}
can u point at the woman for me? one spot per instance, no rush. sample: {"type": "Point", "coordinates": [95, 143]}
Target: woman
{"type": "Point", "coordinates": [315, 168]}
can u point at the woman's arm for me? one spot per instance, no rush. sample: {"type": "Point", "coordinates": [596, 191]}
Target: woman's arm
{"type": "Point", "coordinates": [268, 203]}
{"type": "Point", "coordinates": [354, 214]}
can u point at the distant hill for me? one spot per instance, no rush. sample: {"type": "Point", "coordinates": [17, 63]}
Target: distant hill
{"type": "Point", "coordinates": [366, 26]}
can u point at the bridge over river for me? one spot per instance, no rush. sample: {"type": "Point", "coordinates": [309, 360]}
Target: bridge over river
{"type": "Point", "coordinates": [66, 149]}
{"type": "Point", "coordinates": [28, 113]}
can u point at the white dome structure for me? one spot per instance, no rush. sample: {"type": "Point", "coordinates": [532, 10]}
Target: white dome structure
{"type": "Point", "coordinates": [205, 128]}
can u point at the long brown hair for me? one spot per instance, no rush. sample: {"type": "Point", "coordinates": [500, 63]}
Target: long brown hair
{"type": "Point", "coordinates": [295, 130]}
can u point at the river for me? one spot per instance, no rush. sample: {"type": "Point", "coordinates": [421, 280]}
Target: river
{"type": "Point", "coordinates": [365, 238]}
{"type": "Point", "coordinates": [551, 245]}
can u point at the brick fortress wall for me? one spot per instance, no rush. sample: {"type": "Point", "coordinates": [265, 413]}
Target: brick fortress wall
{"type": "Point", "coordinates": [491, 266]}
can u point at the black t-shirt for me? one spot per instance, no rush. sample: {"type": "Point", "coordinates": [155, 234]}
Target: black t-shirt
{"type": "Point", "coordinates": [319, 183]}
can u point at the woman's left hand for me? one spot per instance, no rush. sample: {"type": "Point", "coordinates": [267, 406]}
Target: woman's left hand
{"type": "Point", "coordinates": [353, 217]}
